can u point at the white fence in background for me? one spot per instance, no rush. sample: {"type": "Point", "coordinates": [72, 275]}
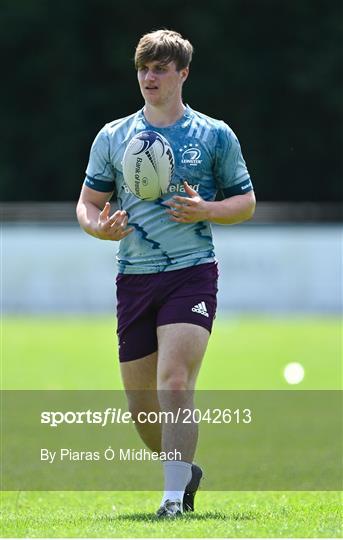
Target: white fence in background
{"type": "Point", "coordinates": [50, 268]}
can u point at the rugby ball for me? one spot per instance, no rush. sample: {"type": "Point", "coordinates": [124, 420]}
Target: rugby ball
{"type": "Point", "coordinates": [148, 165]}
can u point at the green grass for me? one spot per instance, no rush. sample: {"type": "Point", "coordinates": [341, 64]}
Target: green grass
{"type": "Point", "coordinates": [244, 353]}
{"type": "Point", "coordinates": [229, 514]}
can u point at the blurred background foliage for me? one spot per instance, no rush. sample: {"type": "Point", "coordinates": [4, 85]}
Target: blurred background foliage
{"type": "Point", "coordinates": [269, 68]}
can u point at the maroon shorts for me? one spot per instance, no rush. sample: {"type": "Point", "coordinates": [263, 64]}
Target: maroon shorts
{"type": "Point", "coordinates": [146, 301]}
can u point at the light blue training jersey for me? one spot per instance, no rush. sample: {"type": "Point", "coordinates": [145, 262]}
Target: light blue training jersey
{"type": "Point", "coordinates": [207, 154]}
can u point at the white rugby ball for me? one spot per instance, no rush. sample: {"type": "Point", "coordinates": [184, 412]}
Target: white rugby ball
{"type": "Point", "coordinates": [148, 165]}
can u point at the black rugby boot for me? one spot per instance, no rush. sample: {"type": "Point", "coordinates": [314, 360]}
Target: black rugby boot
{"type": "Point", "coordinates": [191, 489]}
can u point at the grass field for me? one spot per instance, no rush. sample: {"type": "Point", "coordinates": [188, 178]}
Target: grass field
{"type": "Point", "coordinates": [244, 353]}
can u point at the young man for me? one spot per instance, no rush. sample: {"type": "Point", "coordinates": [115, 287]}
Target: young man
{"type": "Point", "coordinates": [167, 280]}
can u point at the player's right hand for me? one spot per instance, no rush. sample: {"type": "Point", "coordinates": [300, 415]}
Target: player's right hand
{"type": "Point", "coordinates": [112, 227]}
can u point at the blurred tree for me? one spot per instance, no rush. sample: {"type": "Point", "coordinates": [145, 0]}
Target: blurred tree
{"type": "Point", "coordinates": [269, 68]}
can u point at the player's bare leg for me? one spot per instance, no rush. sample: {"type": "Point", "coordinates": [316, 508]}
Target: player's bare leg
{"type": "Point", "coordinates": [139, 378]}
{"type": "Point", "coordinates": [181, 348]}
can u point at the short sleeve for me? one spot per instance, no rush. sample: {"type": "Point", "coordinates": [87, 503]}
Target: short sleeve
{"type": "Point", "coordinates": [230, 171]}
{"type": "Point", "coordinates": [99, 173]}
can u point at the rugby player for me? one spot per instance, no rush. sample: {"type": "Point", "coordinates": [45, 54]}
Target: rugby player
{"type": "Point", "coordinates": [167, 271]}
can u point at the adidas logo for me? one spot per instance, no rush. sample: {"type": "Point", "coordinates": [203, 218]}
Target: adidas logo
{"type": "Point", "coordinates": [200, 308]}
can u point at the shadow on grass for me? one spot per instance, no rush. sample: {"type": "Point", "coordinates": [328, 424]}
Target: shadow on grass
{"type": "Point", "coordinates": [149, 517]}
{"type": "Point", "coordinates": [219, 516]}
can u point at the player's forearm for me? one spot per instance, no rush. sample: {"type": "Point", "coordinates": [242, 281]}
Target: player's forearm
{"type": "Point", "coordinates": [233, 210]}
{"type": "Point", "coordinates": [88, 217]}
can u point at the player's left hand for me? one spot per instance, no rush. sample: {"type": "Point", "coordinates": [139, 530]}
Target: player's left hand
{"type": "Point", "coordinates": [187, 209]}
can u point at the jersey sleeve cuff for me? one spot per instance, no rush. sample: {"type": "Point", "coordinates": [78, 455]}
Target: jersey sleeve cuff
{"type": "Point", "coordinates": [99, 185]}
{"type": "Point", "coordinates": [239, 189]}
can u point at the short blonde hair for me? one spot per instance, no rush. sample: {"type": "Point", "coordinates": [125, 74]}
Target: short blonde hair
{"type": "Point", "coordinates": [163, 46]}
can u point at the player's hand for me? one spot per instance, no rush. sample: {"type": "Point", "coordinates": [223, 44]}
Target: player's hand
{"type": "Point", "coordinates": [112, 227]}
{"type": "Point", "coordinates": [187, 209]}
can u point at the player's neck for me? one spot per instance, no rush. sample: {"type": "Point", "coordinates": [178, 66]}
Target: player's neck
{"type": "Point", "coordinates": [164, 116]}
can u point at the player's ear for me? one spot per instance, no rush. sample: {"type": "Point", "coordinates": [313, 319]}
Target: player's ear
{"type": "Point", "coordinates": [184, 73]}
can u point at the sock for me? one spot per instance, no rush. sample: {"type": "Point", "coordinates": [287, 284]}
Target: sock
{"type": "Point", "coordinates": [177, 474]}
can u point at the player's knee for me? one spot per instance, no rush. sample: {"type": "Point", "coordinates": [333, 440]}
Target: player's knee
{"type": "Point", "coordinates": [174, 381]}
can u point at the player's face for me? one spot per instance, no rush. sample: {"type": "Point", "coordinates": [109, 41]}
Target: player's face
{"type": "Point", "coordinates": [160, 83]}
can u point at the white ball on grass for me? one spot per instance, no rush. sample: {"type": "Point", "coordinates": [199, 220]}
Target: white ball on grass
{"type": "Point", "coordinates": [294, 373]}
